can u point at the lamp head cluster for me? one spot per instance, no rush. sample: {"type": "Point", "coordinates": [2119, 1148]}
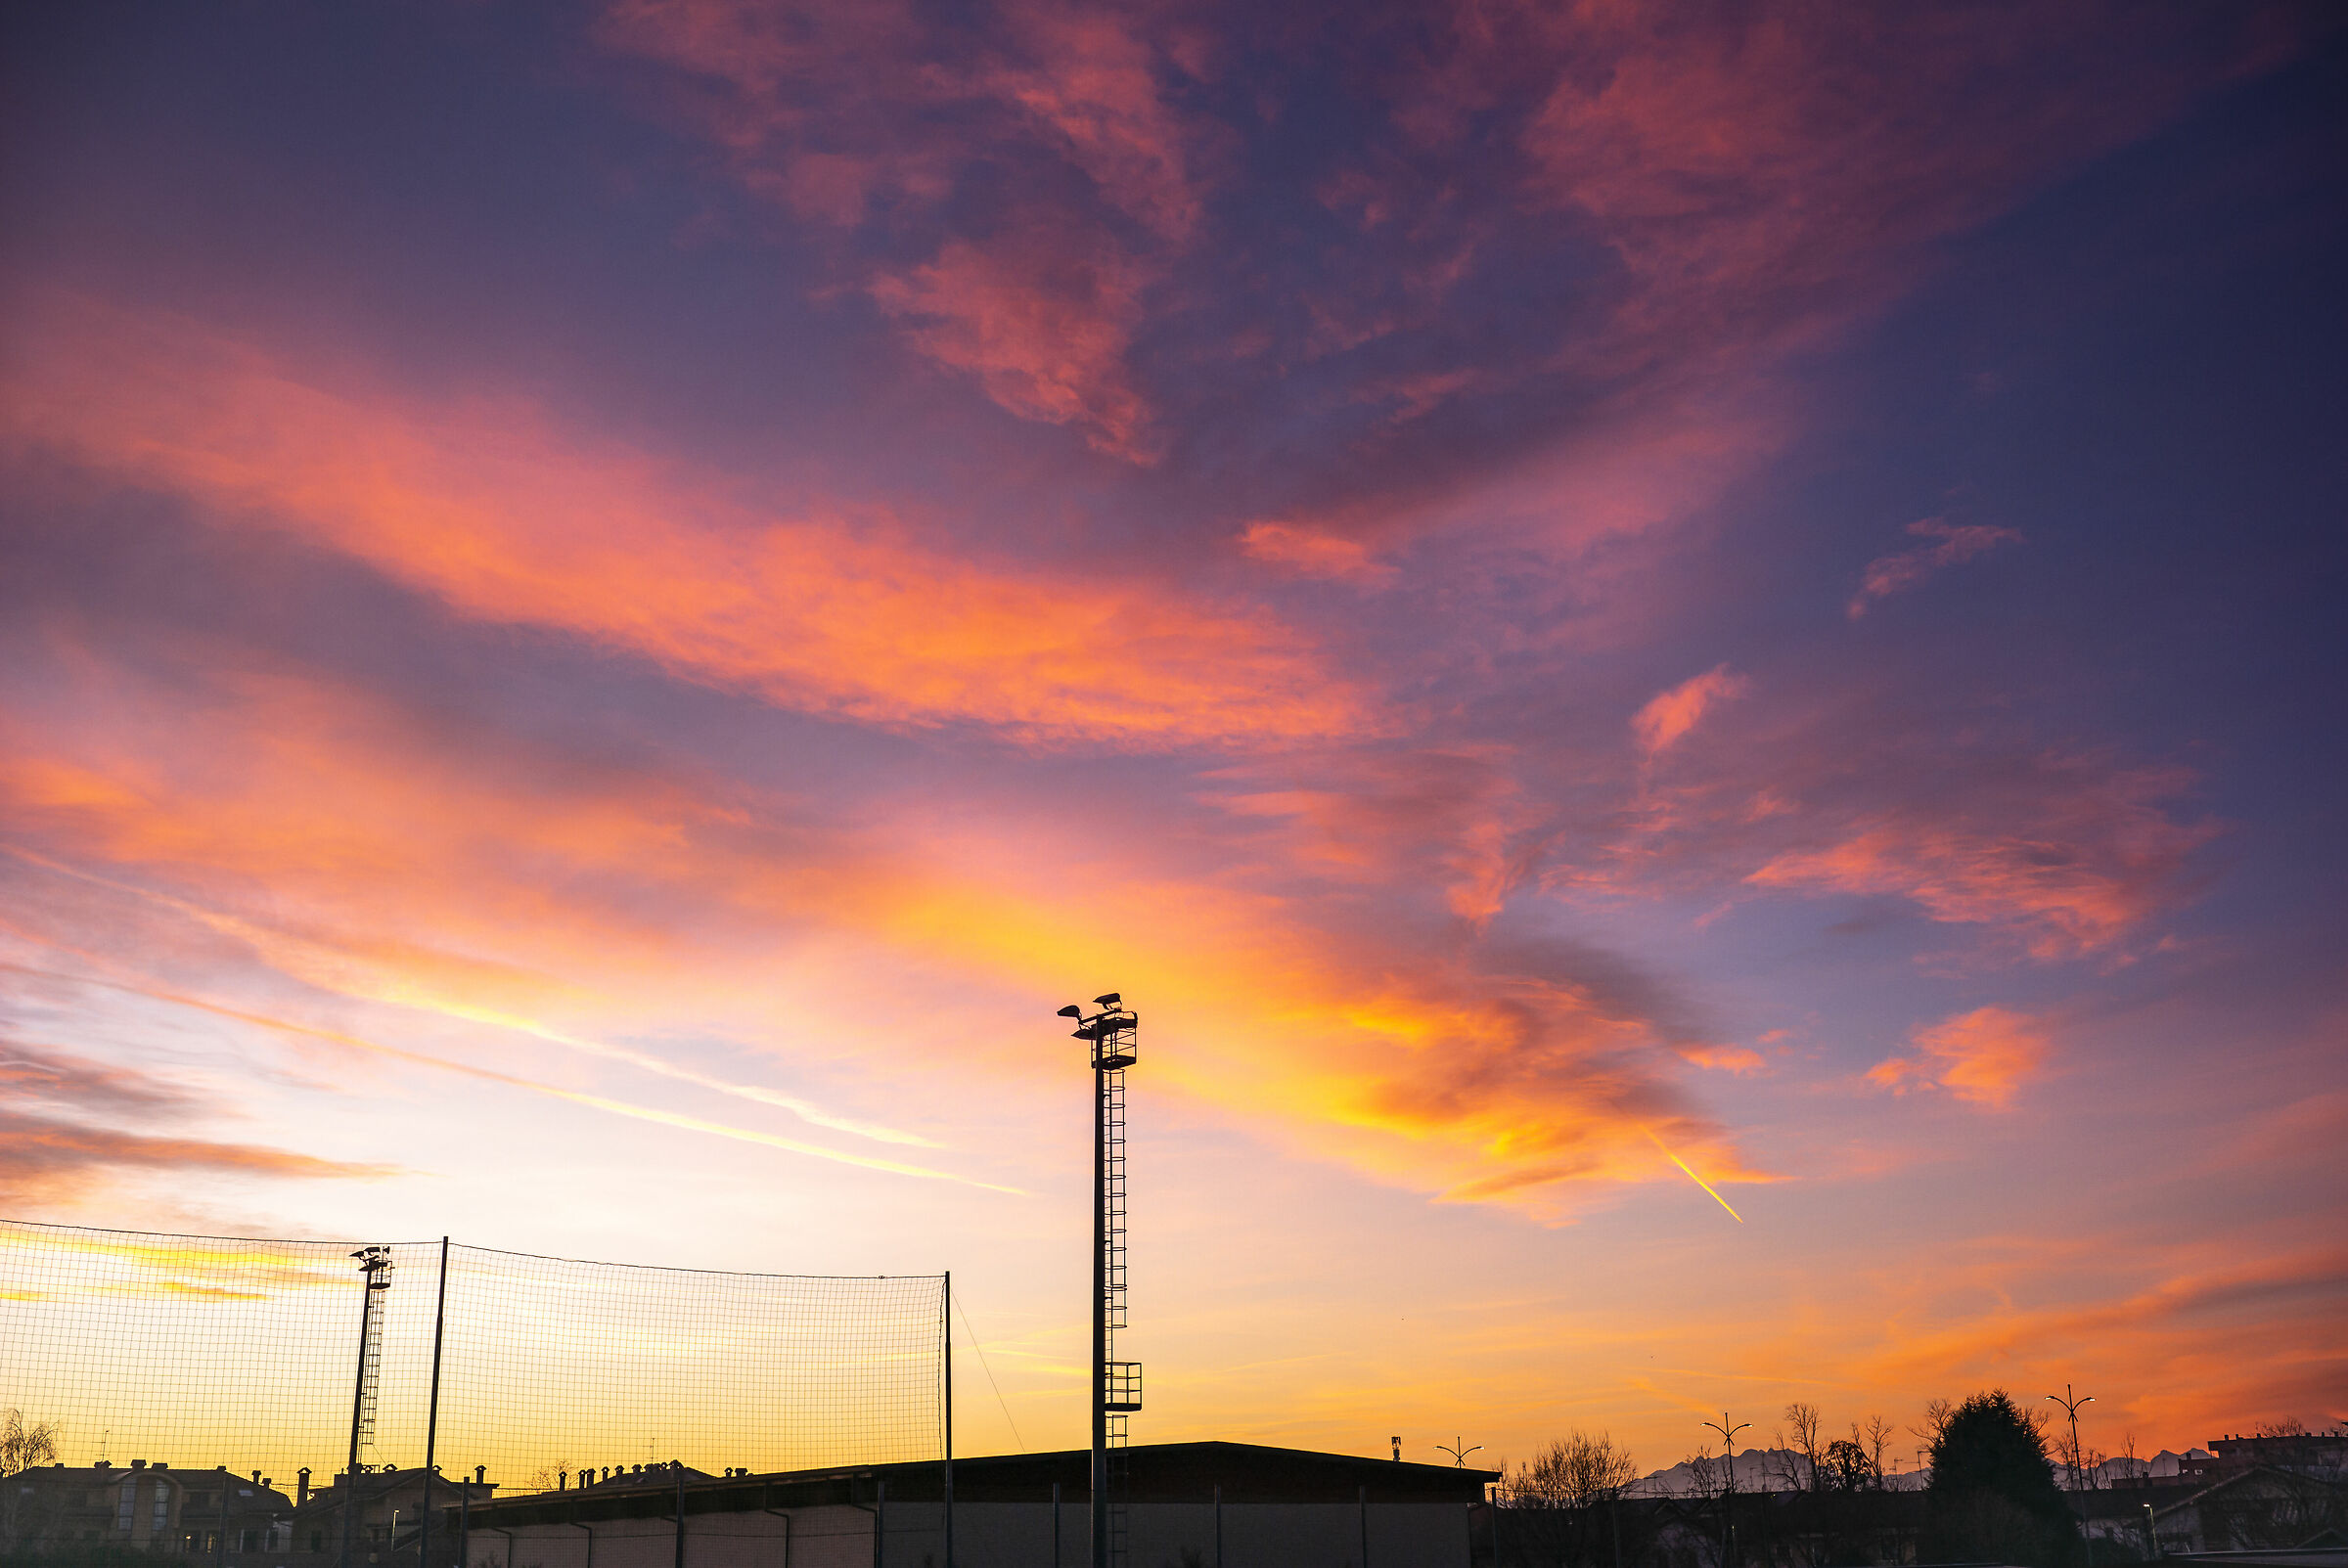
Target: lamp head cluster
{"type": "Point", "coordinates": [1111, 1030]}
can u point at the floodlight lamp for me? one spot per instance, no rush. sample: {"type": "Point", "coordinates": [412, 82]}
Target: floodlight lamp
{"type": "Point", "coordinates": [1072, 1011]}
{"type": "Point", "coordinates": [1108, 999]}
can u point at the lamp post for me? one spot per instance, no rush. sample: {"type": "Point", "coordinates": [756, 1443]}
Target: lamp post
{"type": "Point", "coordinates": [1727, 1443]}
{"type": "Point", "coordinates": [1459, 1455]}
{"type": "Point", "coordinates": [1116, 1384]}
{"type": "Point", "coordinates": [2070, 1407]}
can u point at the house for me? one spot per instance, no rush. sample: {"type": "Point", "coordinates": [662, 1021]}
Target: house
{"type": "Point", "coordinates": [388, 1504]}
{"type": "Point", "coordinates": [2263, 1508]}
{"type": "Point", "coordinates": [150, 1507]}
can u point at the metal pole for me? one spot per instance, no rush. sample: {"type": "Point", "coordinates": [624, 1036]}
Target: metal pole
{"type": "Point", "coordinates": [1728, 1495]}
{"type": "Point", "coordinates": [358, 1395]}
{"type": "Point", "coordinates": [1218, 1524]}
{"type": "Point", "coordinates": [880, 1523]}
{"type": "Point", "coordinates": [1056, 1524]}
{"type": "Point", "coordinates": [220, 1540]}
{"type": "Point", "coordinates": [680, 1469]}
{"type": "Point", "coordinates": [2070, 1407]}
{"type": "Point", "coordinates": [1100, 1479]}
{"type": "Point", "coordinates": [464, 1523]}
{"type": "Point", "coordinates": [431, 1419]}
{"type": "Point", "coordinates": [946, 1323]}
{"type": "Point", "coordinates": [1361, 1507]}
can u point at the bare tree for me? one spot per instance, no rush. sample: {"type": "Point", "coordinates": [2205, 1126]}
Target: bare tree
{"type": "Point", "coordinates": [1874, 1437]}
{"type": "Point", "coordinates": [23, 1447]}
{"type": "Point", "coordinates": [1804, 1443]}
{"type": "Point", "coordinates": [1557, 1501]}
{"type": "Point", "coordinates": [1575, 1472]}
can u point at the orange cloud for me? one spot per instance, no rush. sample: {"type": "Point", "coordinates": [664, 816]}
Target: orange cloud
{"type": "Point", "coordinates": [506, 519]}
{"type": "Point", "coordinates": [1982, 1056]}
{"type": "Point", "coordinates": [400, 868]}
{"type": "Point", "coordinates": [1669, 715]}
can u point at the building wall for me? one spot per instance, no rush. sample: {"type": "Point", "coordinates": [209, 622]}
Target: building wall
{"type": "Point", "coordinates": [1000, 1534]}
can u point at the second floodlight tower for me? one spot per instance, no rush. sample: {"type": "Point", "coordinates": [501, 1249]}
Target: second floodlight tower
{"type": "Point", "coordinates": [1116, 1384]}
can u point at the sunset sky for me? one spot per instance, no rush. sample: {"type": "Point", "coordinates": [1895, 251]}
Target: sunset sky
{"type": "Point", "coordinates": [1690, 663]}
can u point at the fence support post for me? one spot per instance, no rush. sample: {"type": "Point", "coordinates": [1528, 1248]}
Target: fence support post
{"type": "Point", "coordinates": [431, 1419]}
{"type": "Point", "coordinates": [945, 1322]}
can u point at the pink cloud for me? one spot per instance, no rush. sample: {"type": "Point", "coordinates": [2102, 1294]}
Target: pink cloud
{"type": "Point", "coordinates": [503, 516]}
{"type": "Point", "coordinates": [836, 112]}
{"type": "Point", "coordinates": [1044, 331]}
{"type": "Point", "coordinates": [2091, 859]}
{"type": "Point", "coordinates": [1669, 715]}
{"type": "Point", "coordinates": [1983, 1058]}
{"type": "Point", "coordinates": [1309, 553]}
{"type": "Point", "coordinates": [1886, 575]}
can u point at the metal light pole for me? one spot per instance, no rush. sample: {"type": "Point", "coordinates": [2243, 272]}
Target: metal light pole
{"type": "Point", "coordinates": [1727, 1443]}
{"type": "Point", "coordinates": [2070, 1407]}
{"type": "Point", "coordinates": [1116, 1384]}
{"type": "Point", "coordinates": [375, 1267]}
{"type": "Point", "coordinates": [1459, 1455]}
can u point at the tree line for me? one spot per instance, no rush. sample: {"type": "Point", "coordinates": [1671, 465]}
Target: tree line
{"type": "Point", "coordinates": [1827, 1502]}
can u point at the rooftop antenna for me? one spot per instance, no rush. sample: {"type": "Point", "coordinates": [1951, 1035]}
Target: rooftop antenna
{"type": "Point", "coordinates": [375, 1268]}
{"type": "Point", "coordinates": [1116, 1384]}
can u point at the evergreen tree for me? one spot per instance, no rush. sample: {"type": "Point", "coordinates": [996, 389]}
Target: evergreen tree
{"type": "Point", "coordinates": [1993, 1495]}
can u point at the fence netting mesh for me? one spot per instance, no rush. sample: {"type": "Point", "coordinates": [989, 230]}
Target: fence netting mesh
{"type": "Point", "coordinates": [201, 1352]}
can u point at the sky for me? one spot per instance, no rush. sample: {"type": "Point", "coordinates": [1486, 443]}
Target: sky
{"type": "Point", "coordinates": [1687, 660]}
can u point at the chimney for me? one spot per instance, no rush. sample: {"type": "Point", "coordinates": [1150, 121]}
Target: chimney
{"type": "Point", "coordinates": [302, 1487]}
{"type": "Point", "coordinates": [481, 1475]}
{"type": "Point", "coordinates": [138, 1464]}
{"type": "Point", "coordinates": [257, 1478]}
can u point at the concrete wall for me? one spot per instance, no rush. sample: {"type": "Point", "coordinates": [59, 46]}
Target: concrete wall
{"type": "Point", "coordinates": [1000, 1535]}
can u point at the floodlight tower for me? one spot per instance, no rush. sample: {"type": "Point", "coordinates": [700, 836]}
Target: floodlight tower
{"type": "Point", "coordinates": [375, 1267]}
{"type": "Point", "coordinates": [1116, 1384]}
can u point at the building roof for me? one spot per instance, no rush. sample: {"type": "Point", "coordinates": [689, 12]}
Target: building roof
{"type": "Point", "coordinates": [1157, 1472]}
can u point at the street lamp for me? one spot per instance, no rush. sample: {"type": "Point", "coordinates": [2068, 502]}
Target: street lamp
{"type": "Point", "coordinates": [1727, 1443]}
{"type": "Point", "coordinates": [1459, 1455]}
{"type": "Point", "coordinates": [2070, 1407]}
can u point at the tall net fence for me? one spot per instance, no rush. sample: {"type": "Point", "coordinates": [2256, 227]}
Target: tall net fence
{"type": "Point", "coordinates": [263, 1357]}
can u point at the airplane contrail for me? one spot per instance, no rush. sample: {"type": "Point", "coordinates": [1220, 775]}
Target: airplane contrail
{"type": "Point", "coordinates": [1692, 1176]}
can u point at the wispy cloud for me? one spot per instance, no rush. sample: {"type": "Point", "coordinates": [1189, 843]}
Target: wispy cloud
{"type": "Point", "coordinates": [51, 1149]}
{"type": "Point", "coordinates": [1886, 575]}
